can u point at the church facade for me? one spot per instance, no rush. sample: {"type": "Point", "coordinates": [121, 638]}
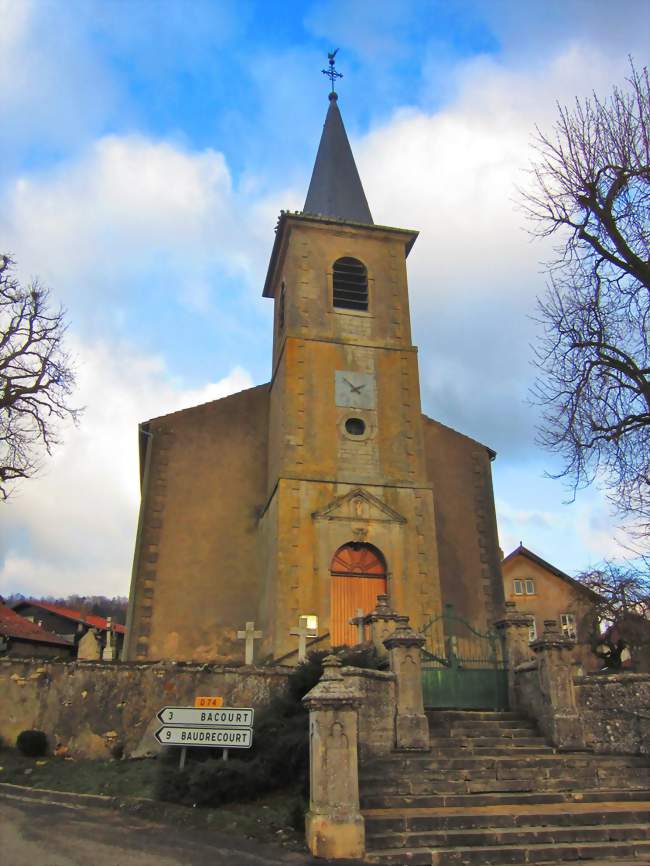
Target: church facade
{"type": "Point", "coordinates": [312, 494]}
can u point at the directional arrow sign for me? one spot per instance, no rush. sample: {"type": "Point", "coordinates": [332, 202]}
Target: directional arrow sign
{"type": "Point", "coordinates": [231, 717]}
{"type": "Point", "coordinates": [223, 738]}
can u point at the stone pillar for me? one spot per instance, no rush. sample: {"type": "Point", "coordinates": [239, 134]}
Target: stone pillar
{"type": "Point", "coordinates": [555, 672]}
{"type": "Point", "coordinates": [382, 621]}
{"type": "Point", "coordinates": [405, 650]}
{"type": "Point", "coordinates": [334, 826]}
{"type": "Point", "coordinates": [514, 632]}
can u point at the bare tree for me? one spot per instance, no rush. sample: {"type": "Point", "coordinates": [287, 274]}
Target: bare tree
{"type": "Point", "coordinates": [36, 377]}
{"type": "Point", "coordinates": [620, 608]}
{"type": "Point", "coordinates": [591, 191]}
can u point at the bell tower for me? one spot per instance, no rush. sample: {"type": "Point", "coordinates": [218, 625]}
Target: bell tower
{"type": "Point", "coordinates": [347, 477]}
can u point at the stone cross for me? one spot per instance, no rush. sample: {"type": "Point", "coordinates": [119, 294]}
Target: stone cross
{"type": "Point", "coordinates": [250, 635]}
{"type": "Point", "coordinates": [302, 632]}
{"type": "Point", "coordinates": [360, 621]}
{"type": "Point", "coordinates": [108, 653]}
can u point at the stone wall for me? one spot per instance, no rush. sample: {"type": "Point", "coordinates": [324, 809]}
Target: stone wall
{"type": "Point", "coordinates": [376, 711]}
{"type": "Point", "coordinates": [529, 698]}
{"type": "Point", "coordinates": [615, 711]}
{"type": "Point", "coordinates": [89, 707]}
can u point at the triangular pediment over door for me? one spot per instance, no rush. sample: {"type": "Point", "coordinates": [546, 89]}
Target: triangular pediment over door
{"type": "Point", "coordinates": [359, 505]}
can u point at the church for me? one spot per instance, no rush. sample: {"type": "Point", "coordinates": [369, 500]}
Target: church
{"type": "Point", "coordinates": [316, 492]}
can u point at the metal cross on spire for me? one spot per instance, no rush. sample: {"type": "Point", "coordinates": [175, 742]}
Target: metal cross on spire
{"type": "Point", "coordinates": [331, 73]}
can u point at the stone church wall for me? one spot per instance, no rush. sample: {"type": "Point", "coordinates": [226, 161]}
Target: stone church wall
{"type": "Point", "coordinates": [90, 707]}
{"type": "Point", "coordinates": [196, 578]}
{"type": "Point", "coordinates": [468, 544]}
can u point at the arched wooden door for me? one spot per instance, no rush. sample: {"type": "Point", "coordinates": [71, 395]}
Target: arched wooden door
{"type": "Point", "coordinates": [358, 576]}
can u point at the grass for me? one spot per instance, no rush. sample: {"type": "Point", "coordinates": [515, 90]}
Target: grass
{"type": "Point", "coordinates": [268, 819]}
{"type": "Point", "coordinates": [83, 776]}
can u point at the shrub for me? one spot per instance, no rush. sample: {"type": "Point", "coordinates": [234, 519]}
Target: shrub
{"type": "Point", "coordinates": [279, 757]}
{"type": "Point", "coordinates": [210, 783]}
{"type": "Point", "coordinates": [32, 744]}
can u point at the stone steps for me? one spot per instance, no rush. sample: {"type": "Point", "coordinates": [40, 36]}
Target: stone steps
{"type": "Point", "coordinates": [508, 776]}
{"type": "Point", "coordinates": [491, 791]}
{"type": "Point", "coordinates": [380, 822]}
{"type": "Point", "coordinates": [486, 729]}
{"type": "Point", "coordinates": [513, 855]}
{"type": "Point", "coordinates": [423, 760]}
{"type": "Point", "coordinates": [472, 716]}
{"type": "Point", "coordinates": [455, 801]}
{"type": "Point", "coordinates": [481, 742]}
{"type": "Point", "coordinates": [511, 838]}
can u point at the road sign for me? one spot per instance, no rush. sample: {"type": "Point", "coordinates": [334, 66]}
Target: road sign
{"type": "Point", "coordinates": [226, 717]}
{"type": "Point", "coordinates": [200, 701]}
{"type": "Point", "coordinates": [223, 738]}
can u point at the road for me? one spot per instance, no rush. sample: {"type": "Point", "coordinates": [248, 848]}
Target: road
{"type": "Point", "coordinates": [50, 834]}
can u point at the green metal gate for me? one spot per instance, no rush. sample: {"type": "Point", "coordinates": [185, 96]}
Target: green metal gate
{"type": "Point", "coordinates": [462, 668]}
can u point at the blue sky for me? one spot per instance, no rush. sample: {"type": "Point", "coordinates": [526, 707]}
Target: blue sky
{"type": "Point", "coordinates": [146, 149]}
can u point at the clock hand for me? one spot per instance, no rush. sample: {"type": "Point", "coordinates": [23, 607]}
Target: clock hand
{"type": "Point", "coordinates": [355, 388]}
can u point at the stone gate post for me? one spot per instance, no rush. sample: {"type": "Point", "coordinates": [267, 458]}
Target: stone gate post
{"type": "Point", "coordinates": [334, 826]}
{"type": "Point", "coordinates": [382, 622]}
{"type": "Point", "coordinates": [514, 633]}
{"type": "Point", "coordinates": [405, 651]}
{"type": "Point", "coordinates": [555, 676]}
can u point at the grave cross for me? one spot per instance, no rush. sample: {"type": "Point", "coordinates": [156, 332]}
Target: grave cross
{"type": "Point", "coordinates": [302, 632]}
{"type": "Point", "coordinates": [360, 621]}
{"type": "Point", "coordinates": [250, 635]}
{"type": "Point", "coordinates": [108, 654]}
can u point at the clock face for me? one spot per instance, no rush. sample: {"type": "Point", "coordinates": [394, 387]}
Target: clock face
{"type": "Point", "coordinates": [355, 389]}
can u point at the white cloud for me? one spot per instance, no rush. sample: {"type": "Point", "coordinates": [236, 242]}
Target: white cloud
{"type": "Point", "coordinates": [474, 273]}
{"type": "Point", "coordinates": [126, 206]}
{"type": "Point", "coordinates": [72, 528]}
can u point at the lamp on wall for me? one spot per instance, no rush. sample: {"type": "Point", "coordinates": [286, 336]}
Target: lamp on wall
{"type": "Point", "coordinates": [310, 622]}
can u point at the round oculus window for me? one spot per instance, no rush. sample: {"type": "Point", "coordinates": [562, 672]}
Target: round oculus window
{"type": "Point", "coordinates": [355, 426]}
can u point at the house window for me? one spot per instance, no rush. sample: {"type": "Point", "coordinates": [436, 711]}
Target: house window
{"type": "Point", "coordinates": [524, 587]}
{"type": "Point", "coordinates": [532, 629]}
{"type": "Point", "coordinates": [350, 282]}
{"type": "Point", "coordinates": [568, 624]}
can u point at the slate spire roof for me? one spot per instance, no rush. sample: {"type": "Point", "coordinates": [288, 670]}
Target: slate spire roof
{"type": "Point", "coordinates": [335, 189]}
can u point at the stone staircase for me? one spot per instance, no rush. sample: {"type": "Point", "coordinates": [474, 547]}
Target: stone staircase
{"type": "Point", "coordinates": [491, 791]}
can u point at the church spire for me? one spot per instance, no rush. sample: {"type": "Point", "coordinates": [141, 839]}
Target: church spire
{"type": "Point", "coordinates": [335, 188]}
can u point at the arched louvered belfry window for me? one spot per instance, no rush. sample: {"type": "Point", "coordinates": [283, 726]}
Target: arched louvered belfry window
{"type": "Point", "coordinates": [350, 279]}
{"type": "Point", "coordinates": [358, 573]}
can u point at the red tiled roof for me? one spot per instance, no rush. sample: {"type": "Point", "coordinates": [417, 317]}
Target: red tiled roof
{"type": "Point", "coordinates": [14, 625]}
{"type": "Point", "coordinates": [76, 615]}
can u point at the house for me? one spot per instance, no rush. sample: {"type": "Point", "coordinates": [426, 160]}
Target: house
{"type": "Point", "coordinates": [542, 591]}
{"type": "Point", "coordinates": [20, 636]}
{"type": "Point", "coordinates": [72, 625]}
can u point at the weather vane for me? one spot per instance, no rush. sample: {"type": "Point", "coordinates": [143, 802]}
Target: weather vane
{"type": "Point", "coordinates": [331, 73]}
